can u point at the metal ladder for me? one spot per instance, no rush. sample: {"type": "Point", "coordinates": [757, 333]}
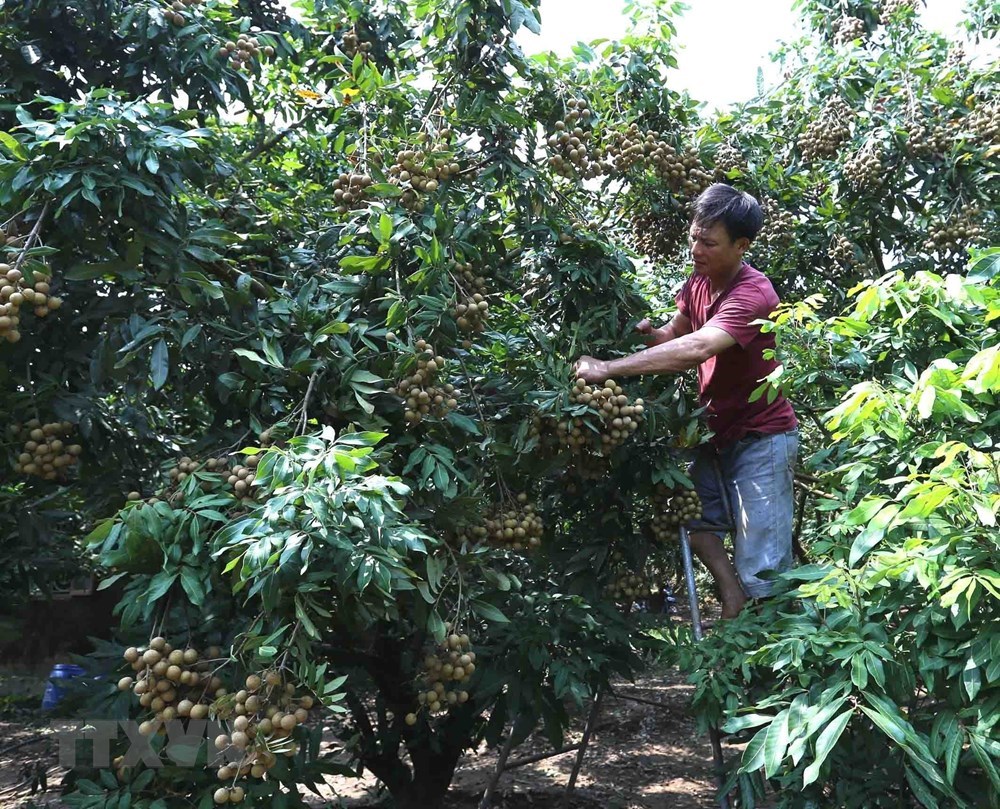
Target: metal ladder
{"type": "Point", "coordinates": [688, 562]}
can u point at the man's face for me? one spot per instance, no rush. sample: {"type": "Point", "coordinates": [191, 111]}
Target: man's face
{"type": "Point", "coordinates": [715, 255]}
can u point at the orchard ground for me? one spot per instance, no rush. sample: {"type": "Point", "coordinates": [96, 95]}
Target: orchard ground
{"type": "Point", "coordinates": [641, 755]}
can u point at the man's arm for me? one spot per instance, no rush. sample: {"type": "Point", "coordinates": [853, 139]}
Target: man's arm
{"type": "Point", "coordinates": [677, 327]}
{"type": "Point", "coordinates": [679, 354]}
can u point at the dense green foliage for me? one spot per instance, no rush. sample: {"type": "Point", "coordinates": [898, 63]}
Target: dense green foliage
{"type": "Point", "coordinates": [252, 222]}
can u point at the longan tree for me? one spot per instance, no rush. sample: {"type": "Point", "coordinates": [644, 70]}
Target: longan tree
{"type": "Point", "coordinates": [313, 361]}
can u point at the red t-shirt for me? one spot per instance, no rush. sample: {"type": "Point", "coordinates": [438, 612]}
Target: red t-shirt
{"type": "Point", "coordinates": [726, 380]}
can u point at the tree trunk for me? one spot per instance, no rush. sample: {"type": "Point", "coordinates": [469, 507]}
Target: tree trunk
{"type": "Point", "coordinates": [432, 774]}
{"type": "Point", "coordinates": [422, 787]}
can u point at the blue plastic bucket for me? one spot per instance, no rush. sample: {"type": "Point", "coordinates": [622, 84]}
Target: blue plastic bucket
{"type": "Point", "coordinates": [53, 691]}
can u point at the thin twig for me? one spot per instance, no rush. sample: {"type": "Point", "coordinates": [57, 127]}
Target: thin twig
{"type": "Point", "coordinates": [303, 422]}
{"type": "Point", "coordinates": [24, 742]}
{"type": "Point", "coordinates": [644, 701]}
{"type": "Point", "coordinates": [815, 492]}
{"type": "Point", "coordinates": [525, 760]}
{"type": "Point", "coordinates": [29, 243]}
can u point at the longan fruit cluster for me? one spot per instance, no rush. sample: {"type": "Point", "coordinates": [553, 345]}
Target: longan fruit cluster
{"type": "Point", "coordinates": [181, 684]}
{"type": "Point", "coordinates": [924, 138]}
{"type": "Point", "coordinates": [542, 427]}
{"type": "Point", "coordinates": [847, 29]}
{"type": "Point", "coordinates": [421, 396]}
{"type": "Point", "coordinates": [728, 158]}
{"type": "Point", "coordinates": [352, 45]}
{"type": "Point", "coordinates": [175, 10]}
{"type": "Point", "coordinates": [444, 672]}
{"type": "Point", "coordinates": [619, 417]}
{"type": "Point", "coordinates": [244, 51]}
{"type": "Point", "coordinates": [865, 168]}
{"type": "Point", "coordinates": [472, 308]}
{"type": "Point", "coordinates": [471, 534]}
{"type": "Point", "coordinates": [15, 291]}
{"type": "Point", "coordinates": [891, 8]}
{"type": "Point", "coordinates": [262, 716]}
{"type": "Point", "coordinates": [240, 477]}
{"type": "Point", "coordinates": [984, 121]}
{"type": "Point", "coordinates": [630, 148]}
{"type": "Point", "coordinates": [350, 191]}
{"type": "Point", "coordinates": [630, 587]}
{"type": "Point", "coordinates": [469, 285]}
{"type": "Point", "coordinates": [47, 451]}
{"type": "Point", "coordinates": [659, 236]}
{"type": "Point", "coordinates": [776, 234]}
{"type": "Point", "coordinates": [680, 169]}
{"type": "Point", "coordinates": [517, 525]}
{"type": "Point", "coordinates": [824, 135]}
{"type": "Point", "coordinates": [842, 251]}
{"type": "Point", "coordinates": [954, 233]}
{"type": "Point", "coordinates": [569, 142]}
{"type": "Point", "coordinates": [185, 466]}
{"type": "Point", "coordinates": [671, 509]}
{"type": "Point", "coordinates": [172, 683]}
{"type": "Point", "coordinates": [422, 169]}
{"type": "Point", "coordinates": [683, 171]}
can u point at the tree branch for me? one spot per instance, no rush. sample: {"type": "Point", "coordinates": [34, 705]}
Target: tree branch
{"type": "Point", "coordinates": [278, 137]}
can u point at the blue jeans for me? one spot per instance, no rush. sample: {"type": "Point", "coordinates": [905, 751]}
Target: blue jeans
{"type": "Point", "coordinates": [755, 476]}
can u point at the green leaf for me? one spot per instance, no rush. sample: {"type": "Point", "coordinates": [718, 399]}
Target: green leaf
{"type": "Point", "coordinates": [436, 626]}
{"type": "Point", "coordinates": [985, 761]}
{"type": "Point", "coordinates": [775, 744]}
{"type": "Point", "coordinates": [738, 723]}
{"type": "Point", "coordinates": [88, 272]}
{"type": "Point", "coordinates": [253, 356]}
{"type": "Point", "coordinates": [384, 230]}
{"type": "Point", "coordinates": [14, 146]}
{"type": "Point", "coordinates": [159, 364]}
{"type": "Point", "coordinates": [305, 620]}
{"type": "Point", "coordinates": [464, 423]}
{"type": "Point", "coordinates": [356, 264]}
{"type": "Point", "coordinates": [159, 586]}
{"type": "Point", "coordinates": [825, 742]}
{"type": "Point", "coordinates": [952, 751]}
{"type": "Point", "coordinates": [753, 755]}
{"type": "Point", "coordinates": [191, 582]}
{"type": "Point", "coordinates": [972, 679]}
{"type": "Point", "coordinates": [335, 327]}
{"type": "Point", "coordinates": [925, 406]}
{"type": "Point", "coordinates": [920, 789]}
{"type": "Point", "coordinates": [488, 611]}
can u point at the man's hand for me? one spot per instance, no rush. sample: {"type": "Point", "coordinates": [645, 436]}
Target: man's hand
{"type": "Point", "coordinates": [591, 369]}
{"type": "Point", "coordinates": [644, 326]}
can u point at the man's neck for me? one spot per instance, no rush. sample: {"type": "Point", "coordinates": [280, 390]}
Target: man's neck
{"type": "Point", "coordinates": [719, 284]}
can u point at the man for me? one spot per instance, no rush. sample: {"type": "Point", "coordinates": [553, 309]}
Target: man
{"type": "Point", "coordinates": [753, 450]}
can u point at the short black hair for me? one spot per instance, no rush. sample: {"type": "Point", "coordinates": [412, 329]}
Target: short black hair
{"type": "Point", "coordinates": [739, 213]}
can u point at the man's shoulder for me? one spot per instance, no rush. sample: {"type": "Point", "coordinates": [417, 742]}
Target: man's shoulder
{"type": "Point", "coordinates": [752, 281]}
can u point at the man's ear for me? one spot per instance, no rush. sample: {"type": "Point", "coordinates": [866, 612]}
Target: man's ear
{"type": "Point", "coordinates": [742, 244]}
